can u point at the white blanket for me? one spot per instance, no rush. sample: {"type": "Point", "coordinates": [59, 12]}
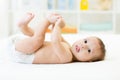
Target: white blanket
{"type": "Point", "coordinates": [109, 69]}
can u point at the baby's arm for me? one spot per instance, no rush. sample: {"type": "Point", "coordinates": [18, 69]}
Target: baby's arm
{"type": "Point", "coordinates": [56, 32]}
{"type": "Point", "coordinates": [53, 18]}
{"type": "Point", "coordinates": [56, 39]}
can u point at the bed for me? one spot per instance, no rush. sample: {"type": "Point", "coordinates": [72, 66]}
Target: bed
{"type": "Point", "coordinates": [109, 69]}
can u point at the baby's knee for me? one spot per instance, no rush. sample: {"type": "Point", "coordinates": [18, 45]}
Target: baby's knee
{"type": "Point", "coordinates": [38, 42]}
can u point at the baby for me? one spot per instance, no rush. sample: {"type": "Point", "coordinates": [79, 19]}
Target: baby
{"type": "Point", "coordinates": [33, 49]}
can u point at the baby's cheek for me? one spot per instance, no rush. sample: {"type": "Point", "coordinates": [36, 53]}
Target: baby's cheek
{"type": "Point", "coordinates": [84, 53]}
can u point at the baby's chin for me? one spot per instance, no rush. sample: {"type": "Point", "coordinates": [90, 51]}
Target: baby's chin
{"type": "Point", "coordinates": [82, 58]}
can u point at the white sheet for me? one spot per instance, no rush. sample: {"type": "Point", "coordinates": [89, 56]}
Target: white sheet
{"type": "Point", "coordinates": [109, 69]}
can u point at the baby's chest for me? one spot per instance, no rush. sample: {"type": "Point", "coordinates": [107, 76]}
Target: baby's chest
{"type": "Point", "coordinates": [47, 55]}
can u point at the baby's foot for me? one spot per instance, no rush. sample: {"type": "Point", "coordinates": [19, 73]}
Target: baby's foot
{"type": "Point", "coordinates": [52, 18]}
{"type": "Point", "coordinates": [25, 20]}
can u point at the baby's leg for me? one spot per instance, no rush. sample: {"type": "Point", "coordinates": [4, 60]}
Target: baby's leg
{"type": "Point", "coordinates": [23, 24]}
{"type": "Point", "coordinates": [33, 43]}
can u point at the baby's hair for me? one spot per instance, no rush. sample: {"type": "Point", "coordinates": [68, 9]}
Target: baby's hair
{"type": "Point", "coordinates": [102, 51]}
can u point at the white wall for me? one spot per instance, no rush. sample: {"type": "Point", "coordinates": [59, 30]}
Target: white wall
{"type": "Point", "coordinates": [11, 10]}
{"type": "Point", "coordinates": [8, 16]}
{"type": "Point", "coordinates": [4, 28]}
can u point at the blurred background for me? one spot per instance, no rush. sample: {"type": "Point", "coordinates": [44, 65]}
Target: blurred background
{"type": "Point", "coordinates": [81, 16]}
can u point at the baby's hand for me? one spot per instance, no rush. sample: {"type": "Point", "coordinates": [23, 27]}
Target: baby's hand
{"type": "Point", "coordinates": [52, 18]}
{"type": "Point", "coordinates": [60, 23]}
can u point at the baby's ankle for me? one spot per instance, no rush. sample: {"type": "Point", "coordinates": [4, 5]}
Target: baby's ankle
{"type": "Point", "coordinates": [25, 20]}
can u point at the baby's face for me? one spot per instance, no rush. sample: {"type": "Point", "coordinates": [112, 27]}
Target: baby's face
{"type": "Point", "coordinates": [86, 49]}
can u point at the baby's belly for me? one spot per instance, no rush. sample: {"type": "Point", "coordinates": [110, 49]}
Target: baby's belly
{"type": "Point", "coordinates": [45, 55]}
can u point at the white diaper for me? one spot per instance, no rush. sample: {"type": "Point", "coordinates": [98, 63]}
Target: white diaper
{"type": "Point", "coordinates": [16, 55]}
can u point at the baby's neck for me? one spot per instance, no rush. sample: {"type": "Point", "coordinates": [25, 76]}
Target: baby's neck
{"type": "Point", "coordinates": [74, 59]}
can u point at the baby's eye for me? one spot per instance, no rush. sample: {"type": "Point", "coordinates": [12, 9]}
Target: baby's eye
{"type": "Point", "coordinates": [85, 41]}
{"type": "Point", "coordinates": [89, 50]}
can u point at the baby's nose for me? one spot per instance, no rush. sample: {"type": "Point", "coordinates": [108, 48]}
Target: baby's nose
{"type": "Point", "coordinates": [84, 46]}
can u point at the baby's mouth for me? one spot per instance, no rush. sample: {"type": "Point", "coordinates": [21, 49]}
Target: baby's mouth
{"type": "Point", "coordinates": [77, 48]}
